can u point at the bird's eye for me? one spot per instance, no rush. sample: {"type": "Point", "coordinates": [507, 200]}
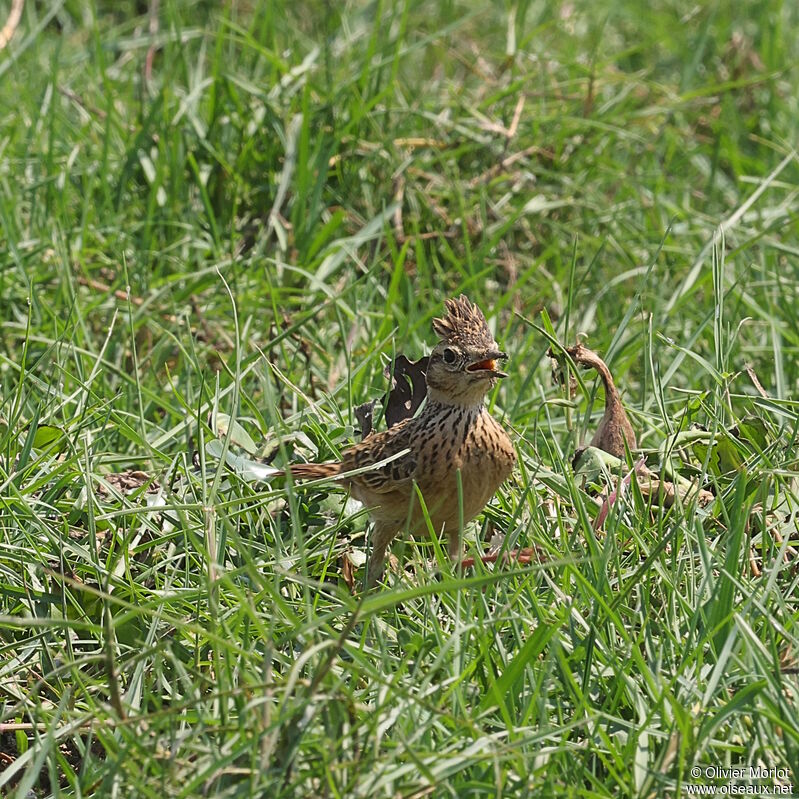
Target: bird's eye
{"type": "Point", "coordinates": [449, 356]}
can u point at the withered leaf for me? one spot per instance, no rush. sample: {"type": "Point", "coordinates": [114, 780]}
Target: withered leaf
{"type": "Point", "coordinates": [614, 429]}
{"type": "Point", "coordinates": [128, 482]}
{"type": "Point", "coordinates": [365, 415]}
{"type": "Point", "coordinates": [408, 388]}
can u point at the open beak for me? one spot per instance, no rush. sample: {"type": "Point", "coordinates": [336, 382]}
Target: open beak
{"type": "Point", "coordinates": [488, 365]}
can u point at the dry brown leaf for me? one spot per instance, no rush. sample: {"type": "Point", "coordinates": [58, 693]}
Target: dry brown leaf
{"type": "Point", "coordinates": [614, 429]}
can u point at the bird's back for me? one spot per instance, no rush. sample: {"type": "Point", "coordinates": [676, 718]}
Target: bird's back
{"type": "Point", "coordinates": [441, 442]}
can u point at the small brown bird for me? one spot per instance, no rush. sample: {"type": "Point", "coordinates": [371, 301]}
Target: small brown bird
{"type": "Point", "coordinates": [453, 433]}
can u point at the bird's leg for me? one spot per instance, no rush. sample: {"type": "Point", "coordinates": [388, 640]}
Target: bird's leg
{"type": "Point", "coordinates": [382, 536]}
{"type": "Point", "coordinates": [454, 547]}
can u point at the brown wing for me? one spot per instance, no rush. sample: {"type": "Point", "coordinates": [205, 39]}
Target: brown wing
{"type": "Point", "coordinates": [377, 448]}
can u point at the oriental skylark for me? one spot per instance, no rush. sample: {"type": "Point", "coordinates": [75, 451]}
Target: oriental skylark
{"type": "Point", "coordinates": [453, 433]}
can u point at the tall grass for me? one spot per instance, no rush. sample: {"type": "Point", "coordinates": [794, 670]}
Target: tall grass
{"type": "Point", "coordinates": [242, 212]}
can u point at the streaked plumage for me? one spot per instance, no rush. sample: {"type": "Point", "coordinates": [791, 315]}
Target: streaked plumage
{"type": "Point", "coordinates": [453, 432]}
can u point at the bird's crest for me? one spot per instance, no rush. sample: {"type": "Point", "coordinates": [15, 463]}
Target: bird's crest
{"type": "Point", "coordinates": [464, 325]}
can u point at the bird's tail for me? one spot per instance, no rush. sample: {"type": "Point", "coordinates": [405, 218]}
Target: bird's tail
{"type": "Point", "coordinates": [310, 471]}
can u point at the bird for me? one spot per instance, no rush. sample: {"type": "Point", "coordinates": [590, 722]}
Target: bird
{"type": "Point", "coordinates": [453, 450]}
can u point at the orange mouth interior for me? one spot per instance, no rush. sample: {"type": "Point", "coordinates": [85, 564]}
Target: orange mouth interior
{"type": "Point", "coordinates": [488, 365]}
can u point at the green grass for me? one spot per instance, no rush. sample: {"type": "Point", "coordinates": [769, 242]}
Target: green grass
{"type": "Point", "coordinates": [252, 226]}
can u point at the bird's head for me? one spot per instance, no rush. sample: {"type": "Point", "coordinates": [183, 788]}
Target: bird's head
{"type": "Point", "coordinates": [463, 365]}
